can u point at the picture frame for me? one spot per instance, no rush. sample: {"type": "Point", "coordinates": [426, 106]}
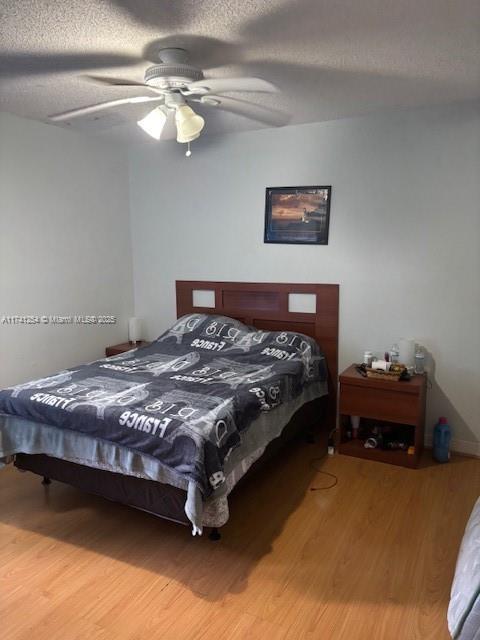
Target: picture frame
{"type": "Point", "coordinates": [297, 215]}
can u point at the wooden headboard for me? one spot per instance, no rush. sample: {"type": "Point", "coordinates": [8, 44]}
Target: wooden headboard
{"type": "Point", "coordinates": [266, 306]}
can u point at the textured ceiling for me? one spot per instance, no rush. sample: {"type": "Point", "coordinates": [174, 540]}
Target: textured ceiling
{"type": "Point", "coordinates": [330, 58]}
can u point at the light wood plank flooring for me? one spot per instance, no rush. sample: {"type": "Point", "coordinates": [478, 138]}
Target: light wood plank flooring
{"type": "Point", "coordinates": [372, 558]}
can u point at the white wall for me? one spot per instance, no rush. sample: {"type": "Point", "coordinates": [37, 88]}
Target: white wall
{"type": "Point", "coordinates": [404, 234]}
{"type": "Point", "coordinates": [64, 246]}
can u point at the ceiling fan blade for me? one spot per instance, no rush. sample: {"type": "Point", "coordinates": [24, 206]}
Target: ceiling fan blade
{"type": "Point", "coordinates": [225, 85]}
{"type": "Point", "coordinates": [247, 109]}
{"type": "Point", "coordinates": [26, 64]}
{"type": "Point", "coordinates": [83, 111]}
{"type": "Point", "coordinates": [114, 82]}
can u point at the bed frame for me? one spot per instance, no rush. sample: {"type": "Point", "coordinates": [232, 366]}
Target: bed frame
{"type": "Point", "coordinates": [264, 306]}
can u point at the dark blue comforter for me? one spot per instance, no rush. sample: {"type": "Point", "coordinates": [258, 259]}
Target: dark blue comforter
{"type": "Point", "coordinates": [185, 399]}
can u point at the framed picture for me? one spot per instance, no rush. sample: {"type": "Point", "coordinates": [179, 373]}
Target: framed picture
{"type": "Point", "coordinates": [297, 215]}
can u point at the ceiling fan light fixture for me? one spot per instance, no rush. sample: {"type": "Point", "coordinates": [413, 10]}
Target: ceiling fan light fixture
{"type": "Point", "coordinates": [189, 124]}
{"type": "Point", "coordinates": [153, 123]}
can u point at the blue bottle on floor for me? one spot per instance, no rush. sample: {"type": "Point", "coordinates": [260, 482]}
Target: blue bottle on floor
{"type": "Point", "coordinates": [442, 435]}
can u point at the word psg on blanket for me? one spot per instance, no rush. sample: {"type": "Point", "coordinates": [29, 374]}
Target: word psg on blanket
{"type": "Point", "coordinates": [188, 399]}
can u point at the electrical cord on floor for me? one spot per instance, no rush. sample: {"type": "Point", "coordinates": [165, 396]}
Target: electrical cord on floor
{"type": "Point", "coordinates": [325, 473]}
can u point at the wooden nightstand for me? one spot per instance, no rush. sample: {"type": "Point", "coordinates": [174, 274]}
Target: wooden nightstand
{"type": "Point", "coordinates": [383, 403]}
{"type": "Point", "coordinates": [117, 349]}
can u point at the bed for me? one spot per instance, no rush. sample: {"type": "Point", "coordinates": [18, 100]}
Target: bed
{"type": "Point", "coordinates": [173, 427]}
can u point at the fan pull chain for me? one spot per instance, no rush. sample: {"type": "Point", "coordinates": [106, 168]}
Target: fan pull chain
{"type": "Point", "coordinates": [188, 153]}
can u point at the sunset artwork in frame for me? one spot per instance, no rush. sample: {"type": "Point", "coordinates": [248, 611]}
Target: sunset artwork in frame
{"type": "Point", "coordinates": [297, 215]}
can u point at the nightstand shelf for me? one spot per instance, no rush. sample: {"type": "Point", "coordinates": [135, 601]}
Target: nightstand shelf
{"type": "Point", "coordinates": [356, 448]}
{"type": "Point", "coordinates": [387, 404]}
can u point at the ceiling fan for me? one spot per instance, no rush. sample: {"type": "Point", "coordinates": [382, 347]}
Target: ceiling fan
{"type": "Point", "coordinates": [175, 83]}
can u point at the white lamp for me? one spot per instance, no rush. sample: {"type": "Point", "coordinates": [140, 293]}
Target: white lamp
{"type": "Point", "coordinates": [406, 351]}
{"type": "Point", "coordinates": [135, 329]}
{"type": "Point", "coordinates": [153, 123]}
{"type": "Point", "coordinates": [189, 124]}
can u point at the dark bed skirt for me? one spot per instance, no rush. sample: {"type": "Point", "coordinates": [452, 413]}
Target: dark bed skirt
{"type": "Point", "coordinates": [164, 500]}
{"type": "Point", "coordinates": [158, 498]}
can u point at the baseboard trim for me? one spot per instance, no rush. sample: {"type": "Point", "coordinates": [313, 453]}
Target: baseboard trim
{"type": "Point", "coordinates": [466, 447]}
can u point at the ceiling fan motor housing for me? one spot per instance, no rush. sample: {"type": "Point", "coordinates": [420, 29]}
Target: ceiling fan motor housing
{"type": "Point", "coordinates": [172, 76]}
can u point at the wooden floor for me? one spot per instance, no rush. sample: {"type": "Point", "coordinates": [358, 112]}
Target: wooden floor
{"type": "Point", "coordinates": [372, 558]}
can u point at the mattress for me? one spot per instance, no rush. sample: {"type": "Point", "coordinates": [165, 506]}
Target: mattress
{"type": "Point", "coordinates": [194, 409]}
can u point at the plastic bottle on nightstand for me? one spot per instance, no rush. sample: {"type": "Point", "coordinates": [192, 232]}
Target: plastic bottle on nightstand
{"type": "Point", "coordinates": [442, 434]}
{"type": "Point", "coordinates": [393, 353]}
